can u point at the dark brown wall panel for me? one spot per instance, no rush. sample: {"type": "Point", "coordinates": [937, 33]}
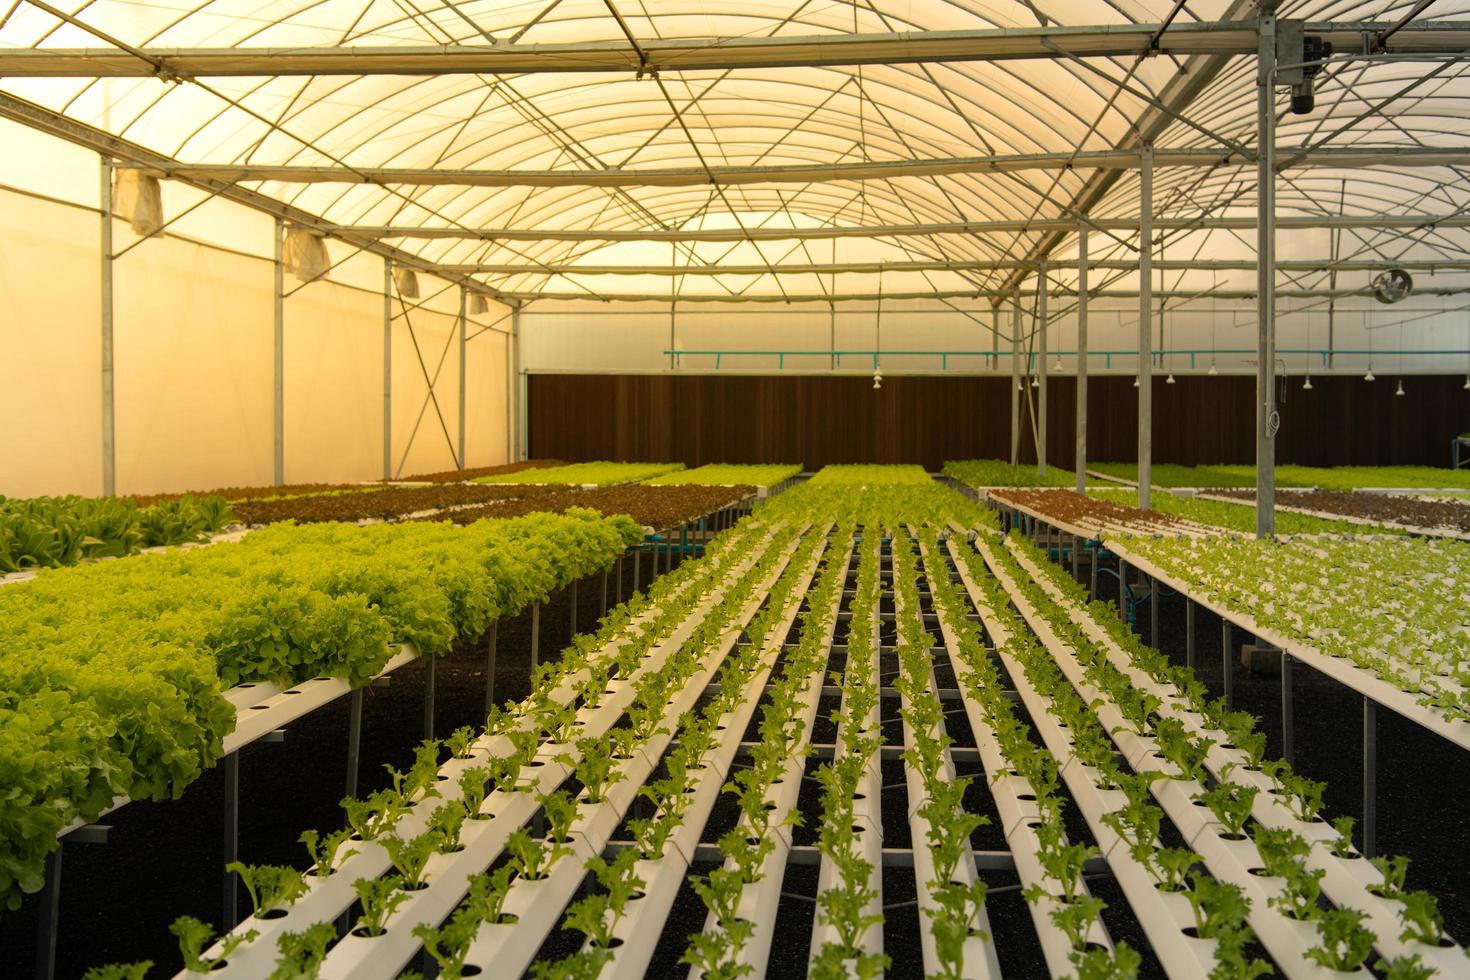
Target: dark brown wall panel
{"type": "Point", "coordinates": [818, 420]}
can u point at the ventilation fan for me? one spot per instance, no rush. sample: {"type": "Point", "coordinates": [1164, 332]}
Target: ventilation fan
{"type": "Point", "coordinates": [1392, 285]}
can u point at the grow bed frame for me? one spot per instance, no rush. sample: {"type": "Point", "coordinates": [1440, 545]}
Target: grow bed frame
{"type": "Point", "coordinates": [952, 597]}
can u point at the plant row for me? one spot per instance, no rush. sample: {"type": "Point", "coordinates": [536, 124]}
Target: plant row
{"type": "Point", "coordinates": [376, 503]}
{"type": "Point", "coordinates": [1093, 514]}
{"type": "Point", "coordinates": [729, 474]}
{"type": "Point", "coordinates": [951, 897]}
{"type": "Point", "coordinates": [1311, 590]}
{"type": "Point", "coordinates": [112, 675]}
{"type": "Point", "coordinates": [1022, 768]}
{"type": "Point", "coordinates": [426, 841]}
{"type": "Point", "coordinates": [586, 474]}
{"type": "Point", "coordinates": [980, 473]}
{"type": "Point", "coordinates": [740, 895]}
{"type": "Point", "coordinates": [848, 938]}
{"type": "Point", "coordinates": [273, 492]}
{"type": "Point", "coordinates": [1382, 508]}
{"type": "Point", "coordinates": [1290, 475]}
{"type": "Point", "coordinates": [1231, 516]}
{"type": "Point", "coordinates": [658, 507]}
{"type": "Point", "coordinates": [1267, 859]}
{"type": "Point", "coordinates": [53, 532]}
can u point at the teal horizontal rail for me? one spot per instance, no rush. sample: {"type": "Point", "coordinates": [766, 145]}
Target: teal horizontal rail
{"type": "Point", "coordinates": [1107, 355]}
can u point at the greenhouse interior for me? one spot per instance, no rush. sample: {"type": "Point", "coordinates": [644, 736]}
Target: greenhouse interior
{"type": "Point", "coordinates": [671, 488]}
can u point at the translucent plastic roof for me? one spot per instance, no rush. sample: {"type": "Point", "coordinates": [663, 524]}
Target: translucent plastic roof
{"type": "Point", "coordinates": [744, 117]}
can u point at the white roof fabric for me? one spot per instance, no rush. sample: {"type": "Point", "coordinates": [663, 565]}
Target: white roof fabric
{"type": "Point", "coordinates": [771, 116]}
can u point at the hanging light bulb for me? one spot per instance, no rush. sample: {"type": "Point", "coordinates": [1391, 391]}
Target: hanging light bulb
{"type": "Point", "coordinates": [1369, 375]}
{"type": "Point", "coordinates": [1035, 381]}
{"type": "Point", "coordinates": [1467, 382]}
{"type": "Point", "coordinates": [1307, 384]}
{"type": "Point", "coordinates": [1170, 379]}
{"type": "Point", "coordinates": [1058, 365]}
{"type": "Point", "coordinates": [1135, 381]}
{"type": "Point", "coordinates": [1213, 371]}
{"type": "Point", "coordinates": [877, 378]}
{"type": "Point", "coordinates": [1400, 390]}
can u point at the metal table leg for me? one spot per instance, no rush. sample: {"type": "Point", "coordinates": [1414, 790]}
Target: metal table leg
{"type": "Point", "coordinates": [1153, 612]}
{"type": "Point", "coordinates": [354, 741]}
{"type": "Point", "coordinates": [1227, 663]}
{"type": "Point", "coordinates": [535, 635]}
{"type": "Point", "coordinates": [1370, 777]}
{"type": "Point", "coordinates": [429, 698]}
{"type": "Point", "coordinates": [230, 909]}
{"type": "Point", "coordinates": [48, 916]}
{"type": "Point", "coordinates": [490, 668]}
{"type": "Point", "coordinates": [1288, 719]}
{"type": "Point", "coordinates": [1189, 632]}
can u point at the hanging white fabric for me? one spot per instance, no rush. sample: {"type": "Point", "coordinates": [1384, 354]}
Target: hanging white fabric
{"type": "Point", "coordinates": [305, 254]}
{"type": "Point", "coordinates": [407, 281]}
{"type": "Point", "coordinates": [137, 198]}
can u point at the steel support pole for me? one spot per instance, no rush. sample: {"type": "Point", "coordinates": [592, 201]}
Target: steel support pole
{"type": "Point", "coordinates": [230, 909]}
{"type": "Point", "coordinates": [1015, 379]}
{"type": "Point", "coordinates": [1266, 417]}
{"type": "Point", "coordinates": [603, 604]}
{"type": "Point", "coordinates": [463, 326]}
{"type": "Point", "coordinates": [1153, 613]}
{"type": "Point", "coordinates": [278, 409]}
{"type": "Point", "coordinates": [109, 436]}
{"type": "Point", "coordinates": [1370, 777]}
{"type": "Point", "coordinates": [387, 369]}
{"type": "Point", "coordinates": [1227, 663]}
{"type": "Point", "coordinates": [994, 337]}
{"type": "Point", "coordinates": [1288, 712]}
{"type": "Point", "coordinates": [1123, 588]}
{"type": "Point", "coordinates": [619, 593]}
{"type": "Point", "coordinates": [1189, 632]}
{"type": "Point", "coordinates": [832, 329]}
{"type": "Point", "coordinates": [515, 394]}
{"type": "Point", "coordinates": [429, 697]}
{"type": "Point", "coordinates": [48, 916]}
{"type": "Point", "coordinates": [1145, 324]}
{"type": "Point", "coordinates": [354, 741]}
{"type": "Point", "coordinates": [1041, 286]}
{"type": "Point", "coordinates": [510, 396]}
{"type": "Point", "coordinates": [535, 635]}
{"type": "Point", "coordinates": [1081, 460]}
{"type": "Point", "coordinates": [1077, 558]}
{"type": "Point", "coordinates": [637, 564]}
{"type": "Point", "coordinates": [573, 611]}
{"type": "Point", "coordinates": [490, 645]}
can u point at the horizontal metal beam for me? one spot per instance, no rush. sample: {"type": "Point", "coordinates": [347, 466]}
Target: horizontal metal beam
{"type": "Point", "coordinates": [716, 53]}
{"type": "Point", "coordinates": [941, 265]}
{"type": "Point", "coordinates": [1290, 158]}
{"type": "Point", "coordinates": [896, 231]}
{"type": "Point", "coordinates": [991, 295]}
{"type": "Point", "coordinates": [54, 124]}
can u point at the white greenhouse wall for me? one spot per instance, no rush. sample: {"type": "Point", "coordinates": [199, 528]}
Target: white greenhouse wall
{"type": "Point", "coordinates": [193, 348]}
